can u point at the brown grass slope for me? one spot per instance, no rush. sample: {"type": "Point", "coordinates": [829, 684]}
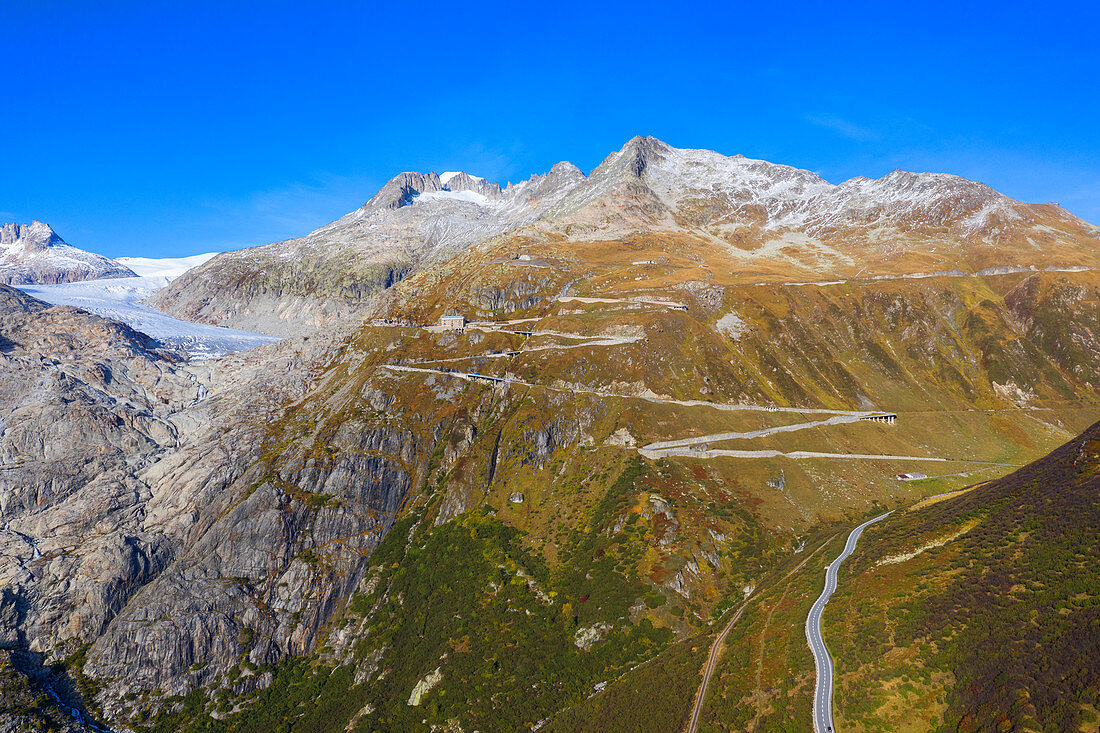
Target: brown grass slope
{"type": "Point", "coordinates": [996, 368]}
{"type": "Point", "coordinates": [980, 612]}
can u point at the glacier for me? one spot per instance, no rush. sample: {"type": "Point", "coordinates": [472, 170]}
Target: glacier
{"type": "Point", "coordinates": [120, 299]}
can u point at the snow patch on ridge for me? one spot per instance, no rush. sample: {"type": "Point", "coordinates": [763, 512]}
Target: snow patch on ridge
{"type": "Point", "coordinates": [448, 175]}
{"type": "Point", "coordinates": [472, 197]}
{"type": "Point", "coordinates": [742, 181]}
{"type": "Point", "coordinates": [170, 267]}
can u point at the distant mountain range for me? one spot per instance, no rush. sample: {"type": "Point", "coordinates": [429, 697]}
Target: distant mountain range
{"type": "Point", "coordinates": [34, 254]}
{"type": "Point", "coordinates": [770, 218]}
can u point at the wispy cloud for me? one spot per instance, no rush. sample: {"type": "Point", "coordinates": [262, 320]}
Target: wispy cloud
{"type": "Point", "coordinates": [842, 126]}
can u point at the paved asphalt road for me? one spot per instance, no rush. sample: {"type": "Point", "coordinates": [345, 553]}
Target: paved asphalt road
{"type": "Point", "coordinates": [823, 663]}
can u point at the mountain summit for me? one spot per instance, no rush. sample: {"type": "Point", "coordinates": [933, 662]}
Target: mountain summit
{"type": "Point", "coordinates": [761, 217]}
{"type": "Point", "coordinates": [34, 254]}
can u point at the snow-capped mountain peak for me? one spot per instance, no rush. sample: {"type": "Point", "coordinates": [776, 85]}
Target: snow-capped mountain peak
{"type": "Point", "coordinates": [769, 214]}
{"type": "Point", "coordinates": [34, 253]}
{"type": "Point", "coordinates": [34, 237]}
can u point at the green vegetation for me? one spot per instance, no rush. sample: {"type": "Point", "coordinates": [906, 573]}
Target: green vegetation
{"type": "Point", "coordinates": [624, 555]}
{"type": "Point", "coordinates": [764, 678]}
{"type": "Point", "coordinates": [25, 705]}
{"type": "Point", "coordinates": [18, 696]}
{"type": "Point", "coordinates": [598, 575]}
{"type": "Point", "coordinates": [465, 597]}
{"type": "Point", "coordinates": [655, 697]}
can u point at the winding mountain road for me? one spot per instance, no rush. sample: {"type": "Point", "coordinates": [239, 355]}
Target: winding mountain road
{"type": "Point", "coordinates": [823, 663]}
{"type": "Point", "coordinates": [717, 437]}
{"type": "Point", "coordinates": [716, 647]}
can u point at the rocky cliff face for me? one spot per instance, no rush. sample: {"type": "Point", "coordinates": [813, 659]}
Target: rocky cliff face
{"type": "Point", "coordinates": [35, 254]}
{"type": "Point", "coordinates": [87, 403]}
{"type": "Point", "coordinates": [156, 517]}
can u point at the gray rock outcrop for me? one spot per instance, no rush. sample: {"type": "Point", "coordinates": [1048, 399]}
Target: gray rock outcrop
{"type": "Point", "coordinates": [150, 513]}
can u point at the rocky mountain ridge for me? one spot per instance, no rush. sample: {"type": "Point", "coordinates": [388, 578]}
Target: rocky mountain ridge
{"type": "Point", "coordinates": [753, 210]}
{"type": "Point", "coordinates": [413, 221]}
{"type": "Point", "coordinates": [35, 254]}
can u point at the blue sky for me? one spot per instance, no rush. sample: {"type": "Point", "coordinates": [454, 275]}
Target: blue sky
{"type": "Point", "coordinates": [164, 129]}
